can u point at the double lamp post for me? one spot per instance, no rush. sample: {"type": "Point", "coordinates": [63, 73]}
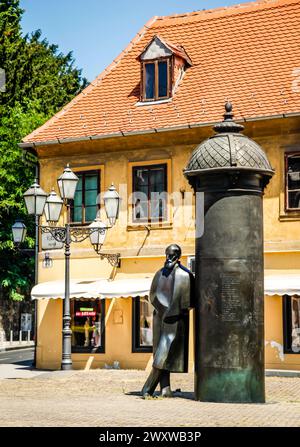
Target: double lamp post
{"type": "Point", "coordinates": [38, 202]}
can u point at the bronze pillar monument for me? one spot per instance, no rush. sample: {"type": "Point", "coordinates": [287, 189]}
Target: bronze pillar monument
{"type": "Point", "coordinates": [228, 173]}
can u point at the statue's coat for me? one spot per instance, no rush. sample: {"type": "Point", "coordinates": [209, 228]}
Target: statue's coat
{"type": "Point", "coordinates": [170, 294]}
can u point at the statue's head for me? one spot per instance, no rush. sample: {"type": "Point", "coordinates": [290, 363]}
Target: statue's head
{"type": "Point", "coordinates": [173, 254]}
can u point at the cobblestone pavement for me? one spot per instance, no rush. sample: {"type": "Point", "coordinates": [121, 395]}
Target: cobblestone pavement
{"type": "Point", "coordinates": [110, 398]}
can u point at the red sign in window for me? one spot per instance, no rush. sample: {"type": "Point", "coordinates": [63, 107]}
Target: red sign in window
{"type": "Point", "coordinates": [85, 314]}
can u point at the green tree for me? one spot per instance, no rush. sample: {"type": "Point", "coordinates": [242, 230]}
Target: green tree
{"type": "Point", "coordinates": [34, 69]}
{"type": "Point", "coordinates": [16, 271]}
{"type": "Point", "coordinates": [39, 81]}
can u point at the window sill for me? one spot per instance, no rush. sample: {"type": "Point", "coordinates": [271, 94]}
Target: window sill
{"type": "Point", "coordinates": [80, 224]}
{"type": "Point", "coordinates": [291, 216]}
{"type": "Point", "coordinates": [78, 350]}
{"type": "Point", "coordinates": [289, 351]}
{"type": "Point", "coordinates": [153, 103]}
{"type": "Point", "coordinates": [144, 350]}
{"type": "Point", "coordinates": [150, 226]}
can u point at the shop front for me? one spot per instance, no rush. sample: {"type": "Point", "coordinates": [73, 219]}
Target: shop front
{"type": "Point", "coordinates": [111, 323]}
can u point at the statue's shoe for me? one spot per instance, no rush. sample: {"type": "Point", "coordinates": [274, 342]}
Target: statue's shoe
{"type": "Point", "coordinates": [166, 392]}
{"type": "Point", "coordinates": [148, 396]}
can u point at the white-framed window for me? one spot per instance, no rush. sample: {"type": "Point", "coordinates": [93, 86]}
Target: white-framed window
{"type": "Point", "coordinates": [292, 181]}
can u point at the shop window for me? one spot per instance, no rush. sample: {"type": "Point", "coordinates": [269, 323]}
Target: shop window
{"type": "Point", "coordinates": [291, 326]}
{"type": "Point", "coordinates": [292, 164]}
{"type": "Point", "coordinates": [142, 325]}
{"type": "Point", "coordinates": [149, 193]}
{"type": "Point", "coordinates": [85, 205]}
{"type": "Point", "coordinates": [88, 325]}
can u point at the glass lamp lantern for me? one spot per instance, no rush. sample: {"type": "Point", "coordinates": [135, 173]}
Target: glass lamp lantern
{"type": "Point", "coordinates": [98, 236]}
{"type": "Point", "coordinates": [19, 231]}
{"type": "Point", "coordinates": [112, 200]}
{"type": "Point", "coordinates": [67, 183]}
{"type": "Point", "coordinates": [35, 198]}
{"type": "Point", "coordinates": [53, 207]}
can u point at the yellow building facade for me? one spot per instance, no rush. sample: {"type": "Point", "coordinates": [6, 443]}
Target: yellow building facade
{"type": "Point", "coordinates": [141, 245]}
{"type": "Point", "coordinates": [136, 126]}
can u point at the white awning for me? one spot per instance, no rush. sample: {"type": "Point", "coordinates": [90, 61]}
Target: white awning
{"type": "Point", "coordinates": [56, 289]}
{"type": "Point", "coordinates": [124, 288]}
{"type": "Point", "coordinates": [282, 282]}
{"type": "Point", "coordinates": [277, 282]}
{"type": "Point", "coordinates": [94, 288]}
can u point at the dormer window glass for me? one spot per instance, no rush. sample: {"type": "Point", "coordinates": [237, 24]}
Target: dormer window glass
{"type": "Point", "coordinates": [156, 80]}
{"type": "Point", "coordinates": [149, 81]}
{"type": "Point", "coordinates": [163, 79]}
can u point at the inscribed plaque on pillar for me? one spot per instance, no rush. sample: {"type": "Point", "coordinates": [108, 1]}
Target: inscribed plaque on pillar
{"type": "Point", "coordinates": [230, 297]}
{"type": "Point", "coordinates": [258, 297]}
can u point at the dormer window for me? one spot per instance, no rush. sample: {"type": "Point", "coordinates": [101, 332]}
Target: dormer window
{"type": "Point", "coordinates": [156, 80]}
{"type": "Point", "coordinates": [162, 67]}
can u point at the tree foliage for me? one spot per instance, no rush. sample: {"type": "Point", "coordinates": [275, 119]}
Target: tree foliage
{"type": "Point", "coordinates": [39, 81]}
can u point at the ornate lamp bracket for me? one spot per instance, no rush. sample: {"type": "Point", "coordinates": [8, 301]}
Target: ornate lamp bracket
{"type": "Point", "coordinates": [79, 234]}
{"type": "Point", "coordinates": [113, 258]}
{"type": "Point", "coordinates": [58, 233]}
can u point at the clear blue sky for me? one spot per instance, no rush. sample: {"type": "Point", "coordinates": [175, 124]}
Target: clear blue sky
{"type": "Point", "coordinates": [98, 30]}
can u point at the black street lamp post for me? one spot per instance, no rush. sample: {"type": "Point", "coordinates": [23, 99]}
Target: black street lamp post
{"type": "Point", "coordinates": [37, 202]}
{"type": "Point", "coordinates": [67, 235]}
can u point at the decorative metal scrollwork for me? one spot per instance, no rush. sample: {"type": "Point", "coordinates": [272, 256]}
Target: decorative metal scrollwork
{"type": "Point", "coordinates": [113, 258]}
{"type": "Point", "coordinates": [80, 234]}
{"type": "Point", "coordinates": [58, 233]}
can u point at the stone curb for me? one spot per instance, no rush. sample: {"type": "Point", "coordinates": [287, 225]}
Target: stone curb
{"type": "Point", "coordinates": [282, 373]}
{"type": "Point", "coordinates": [13, 348]}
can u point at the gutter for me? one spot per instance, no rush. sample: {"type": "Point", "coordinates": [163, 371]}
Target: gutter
{"type": "Point", "coordinates": [149, 131]}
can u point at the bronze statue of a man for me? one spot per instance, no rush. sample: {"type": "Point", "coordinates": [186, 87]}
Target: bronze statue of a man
{"type": "Point", "coordinates": [171, 296]}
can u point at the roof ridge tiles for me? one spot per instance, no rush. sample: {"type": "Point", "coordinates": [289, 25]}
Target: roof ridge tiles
{"type": "Point", "coordinates": [230, 10]}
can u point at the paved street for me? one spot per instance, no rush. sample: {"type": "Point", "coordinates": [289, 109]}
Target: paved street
{"type": "Point", "coordinates": [110, 398]}
{"type": "Point", "coordinates": [24, 356]}
{"type": "Point", "coordinates": [17, 364]}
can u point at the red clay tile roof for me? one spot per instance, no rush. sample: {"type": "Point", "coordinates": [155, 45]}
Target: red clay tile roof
{"type": "Point", "coordinates": [249, 53]}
